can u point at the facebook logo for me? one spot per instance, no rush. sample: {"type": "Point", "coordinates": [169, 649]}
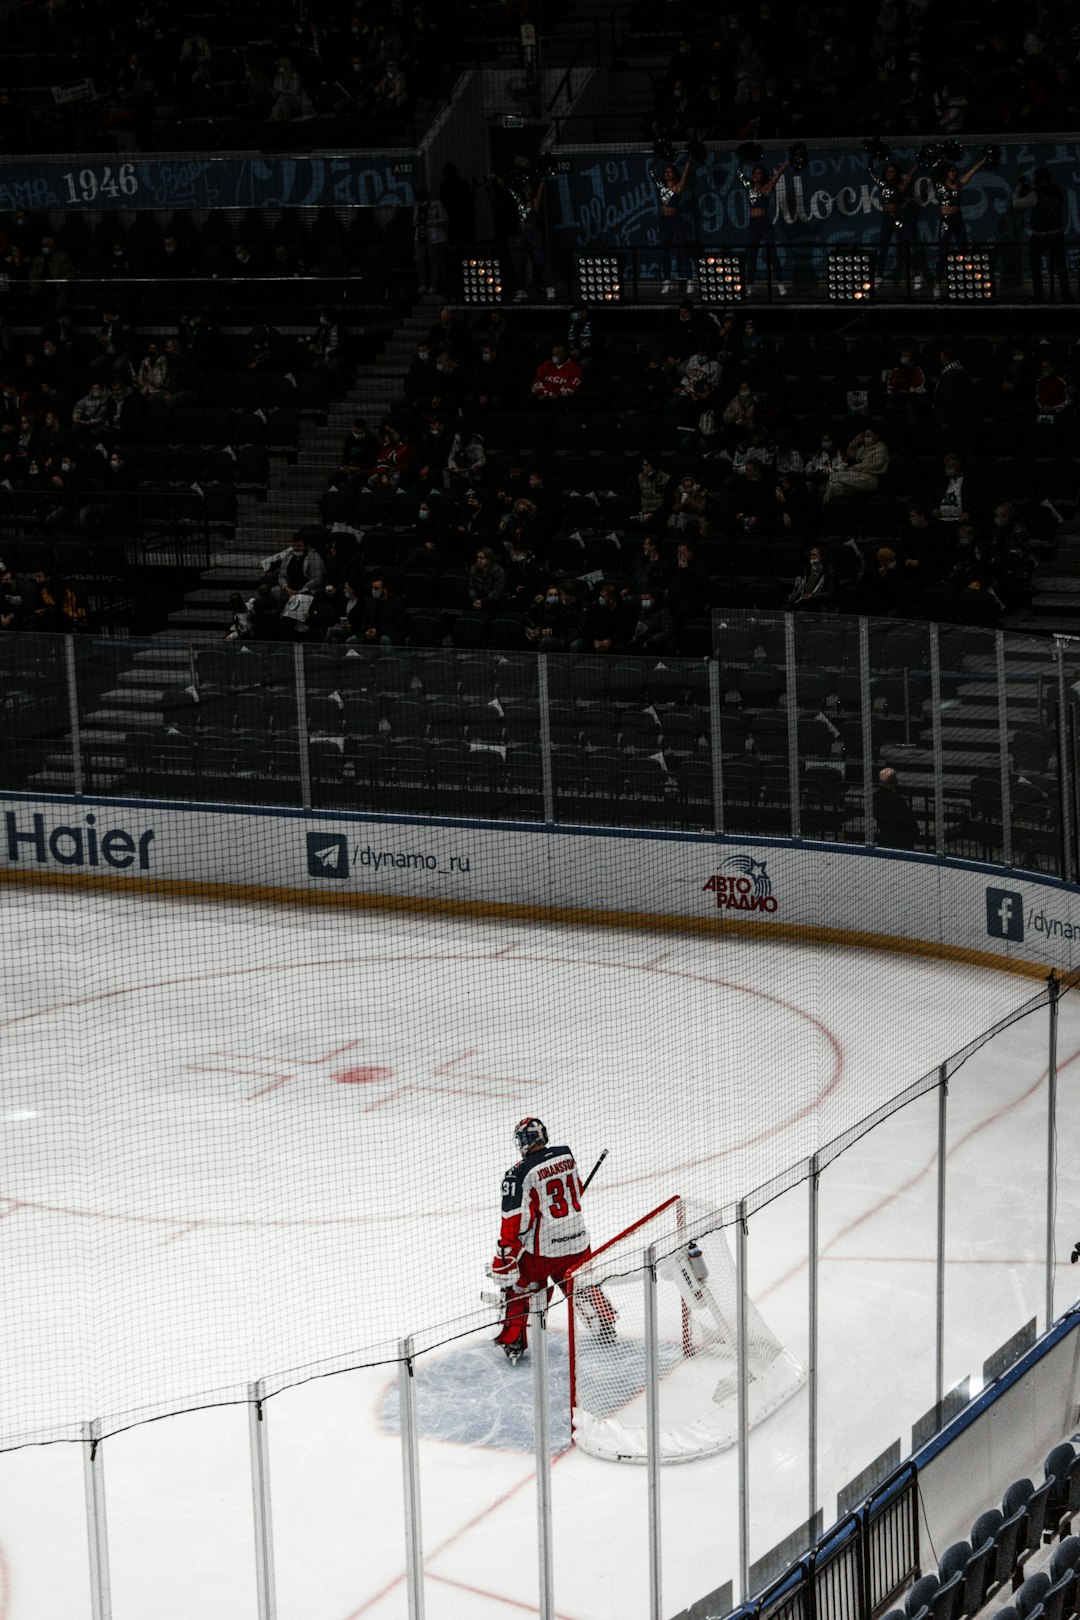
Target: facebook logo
{"type": "Point", "coordinates": [327, 855]}
{"type": "Point", "coordinates": [1004, 914]}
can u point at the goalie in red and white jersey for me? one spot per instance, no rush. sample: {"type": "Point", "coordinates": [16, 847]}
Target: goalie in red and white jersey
{"type": "Point", "coordinates": [543, 1237]}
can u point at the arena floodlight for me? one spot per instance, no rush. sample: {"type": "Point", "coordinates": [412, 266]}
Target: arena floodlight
{"type": "Point", "coordinates": [968, 276]}
{"type": "Point", "coordinates": [481, 281]}
{"type": "Point", "coordinates": [721, 277]}
{"type": "Point", "coordinates": [599, 279]}
{"type": "Point", "coordinates": [850, 276]}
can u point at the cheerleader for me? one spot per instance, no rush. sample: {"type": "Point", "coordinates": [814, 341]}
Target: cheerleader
{"type": "Point", "coordinates": [670, 187]}
{"type": "Point", "coordinates": [892, 193]}
{"type": "Point", "coordinates": [759, 189]}
{"type": "Point", "coordinates": [952, 231]}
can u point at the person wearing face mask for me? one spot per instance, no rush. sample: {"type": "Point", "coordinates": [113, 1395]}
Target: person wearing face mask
{"type": "Point", "coordinates": [51, 264]}
{"type": "Point", "coordinates": [152, 375]}
{"type": "Point", "coordinates": [906, 389]}
{"type": "Point", "coordinates": [450, 332]}
{"type": "Point", "coordinates": [687, 584]}
{"type": "Point", "coordinates": [545, 620]}
{"type": "Point", "coordinates": [654, 626]}
{"type": "Point", "coordinates": [173, 261]}
{"type": "Point", "coordinates": [739, 414]}
{"type": "Point", "coordinates": [359, 450]}
{"type": "Point", "coordinates": [814, 589]}
{"type": "Point", "coordinates": [823, 462]}
{"type": "Point", "coordinates": [558, 379]}
{"type": "Point", "coordinates": [465, 460]}
{"type": "Point", "coordinates": [488, 379]}
{"type": "Point", "coordinates": [421, 378]}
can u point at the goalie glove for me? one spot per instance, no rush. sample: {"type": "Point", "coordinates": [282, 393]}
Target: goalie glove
{"type": "Point", "coordinates": [504, 1269]}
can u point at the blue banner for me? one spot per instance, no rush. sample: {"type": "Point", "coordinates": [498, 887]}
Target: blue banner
{"type": "Point", "coordinates": [598, 201]}
{"type": "Point", "coordinates": [356, 180]}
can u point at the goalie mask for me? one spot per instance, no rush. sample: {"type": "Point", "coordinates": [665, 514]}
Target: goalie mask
{"type": "Point", "coordinates": [530, 1134]}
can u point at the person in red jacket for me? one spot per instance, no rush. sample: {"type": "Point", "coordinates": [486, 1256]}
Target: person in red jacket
{"type": "Point", "coordinates": [558, 378]}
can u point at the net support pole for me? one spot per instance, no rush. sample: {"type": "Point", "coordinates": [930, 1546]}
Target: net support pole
{"type": "Point", "coordinates": [1003, 750]}
{"type": "Point", "coordinates": [939, 764]}
{"type": "Point", "coordinates": [259, 1443]}
{"type": "Point", "coordinates": [792, 724]}
{"type": "Point", "coordinates": [77, 778]}
{"type": "Point", "coordinates": [813, 1184]}
{"type": "Point", "coordinates": [652, 1434]}
{"type": "Point", "coordinates": [1054, 990]}
{"type": "Point", "coordinates": [717, 739]}
{"type": "Point", "coordinates": [866, 722]}
{"type": "Point", "coordinates": [743, 1363]}
{"type": "Point", "coordinates": [1065, 783]}
{"type": "Point", "coordinates": [303, 747]}
{"type": "Point", "coordinates": [939, 1278]}
{"type": "Point", "coordinates": [538, 1306]}
{"type": "Point", "coordinates": [97, 1533]}
{"type": "Point", "coordinates": [410, 1476]}
{"type": "Point", "coordinates": [543, 695]}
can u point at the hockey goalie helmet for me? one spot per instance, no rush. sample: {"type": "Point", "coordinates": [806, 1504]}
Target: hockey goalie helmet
{"type": "Point", "coordinates": [530, 1134]}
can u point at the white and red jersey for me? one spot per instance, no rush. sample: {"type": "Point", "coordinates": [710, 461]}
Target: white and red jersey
{"type": "Point", "coordinates": [541, 1205]}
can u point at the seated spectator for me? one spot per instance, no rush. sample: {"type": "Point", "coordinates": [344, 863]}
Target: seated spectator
{"type": "Point", "coordinates": [262, 350]}
{"type": "Point", "coordinates": [450, 333]}
{"type": "Point", "coordinates": [698, 370]}
{"type": "Point", "coordinates": [687, 585]}
{"type": "Point", "coordinates": [382, 617]}
{"type": "Point", "coordinates": [150, 379]}
{"type": "Point", "coordinates": [324, 614]}
{"type": "Point", "coordinates": [265, 612]}
{"type": "Point", "coordinates": [13, 594]}
{"type": "Point", "coordinates": [650, 570]}
{"type": "Point", "coordinates": [324, 345]}
{"type": "Point", "coordinates": [359, 451]}
{"type": "Point", "coordinates": [867, 460]}
{"type": "Point", "coordinates": [181, 376]}
{"type": "Point", "coordinates": [524, 575]}
{"type": "Point", "coordinates": [556, 618]}
{"type": "Point", "coordinates": [957, 495]}
{"type": "Point", "coordinates": [395, 457]}
{"type": "Point", "coordinates": [449, 390]}
{"type": "Point", "coordinates": [689, 510]}
{"type": "Point", "coordinates": [465, 460]}
{"type": "Point", "coordinates": [52, 267]}
{"type": "Point", "coordinates": [883, 589]}
{"type": "Point", "coordinates": [125, 413]}
{"type": "Point", "coordinates": [488, 380]}
{"type": "Point", "coordinates": [242, 622]}
{"type": "Point", "coordinates": [298, 568]}
{"type": "Point", "coordinates": [906, 389]}
{"type": "Point", "coordinates": [487, 581]}
{"type": "Point", "coordinates": [290, 99]}
{"type": "Point", "coordinates": [741, 412]}
{"type": "Point", "coordinates": [652, 490]}
{"type": "Point", "coordinates": [53, 439]}
{"type": "Point", "coordinates": [607, 622]}
{"type": "Point", "coordinates": [1052, 397]}
{"type": "Point", "coordinates": [654, 628]}
{"type": "Point", "coordinates": [115, 342]}
{"type": "Point", "coordinates": [816, 588]}
{"type": "Point", "coordinates": [558, 379]}
{"type": "Point", "coordinates": [50, 604]}
{"type": "Point", "coordinates": [91, 413]}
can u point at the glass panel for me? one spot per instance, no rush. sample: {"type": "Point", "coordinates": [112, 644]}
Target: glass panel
{"type": "Point", "coordinates": [901, 734]}
{"type": "Point", "coordinates": [477, 1474]}
{"type": "Point", "coordinates": [970, 743]}
{"type": "Point", "coordinates": [753, 723]}
{"type": "Point", "coordinates": [876, 1311]}
{"type": "Point", "coordinates": [829, 696]}
{"type": "Point", "coordinates": [35, 735]}
{"type": "Point", "coordinates": [43, 1510]}
{"type": "Point", "coordinates": [1067, 1195]}
{"type": "Point", "coordinates": [778, 1251]}
{"type": "Point", "coordinates": [180, 1517]}
{"type": "Point", "coordinates": [995, 1230]}
{"type": "Point", "coordinates": [1031, 692]}
{"type": "Point", "coordinates": [338, 1503]}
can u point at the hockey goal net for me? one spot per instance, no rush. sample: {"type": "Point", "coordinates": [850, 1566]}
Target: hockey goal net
{"type": "Point", "coordinates": [697, 1316]}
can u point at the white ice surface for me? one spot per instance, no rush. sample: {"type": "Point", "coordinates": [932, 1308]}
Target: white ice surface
{"type": "Point", "coordinates": [235, 1142]}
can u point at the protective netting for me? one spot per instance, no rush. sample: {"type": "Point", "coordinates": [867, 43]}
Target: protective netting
{"type": "Point", "coordinates": [697, 1322]}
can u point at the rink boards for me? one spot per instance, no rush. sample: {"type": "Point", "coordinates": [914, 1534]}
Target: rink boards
{"type": "Point", "coordinates": [840, 895]}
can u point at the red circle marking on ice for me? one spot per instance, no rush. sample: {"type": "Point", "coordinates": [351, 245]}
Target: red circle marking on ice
{"type": "Point", "coordinates": [362, 1076]}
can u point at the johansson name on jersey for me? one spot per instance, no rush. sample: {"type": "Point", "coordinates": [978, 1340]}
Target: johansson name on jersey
{"type": "Point", "coordinates": [541, 1204]}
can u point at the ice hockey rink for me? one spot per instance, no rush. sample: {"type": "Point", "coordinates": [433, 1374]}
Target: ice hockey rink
{"type": "Point", "coordinates": [239, 1141]}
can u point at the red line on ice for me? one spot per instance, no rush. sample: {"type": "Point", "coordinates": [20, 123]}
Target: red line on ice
{"type": "Point", "coordinates": [478, 1591]}
{"type": "Point", "coordinates": [453, 1063]}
